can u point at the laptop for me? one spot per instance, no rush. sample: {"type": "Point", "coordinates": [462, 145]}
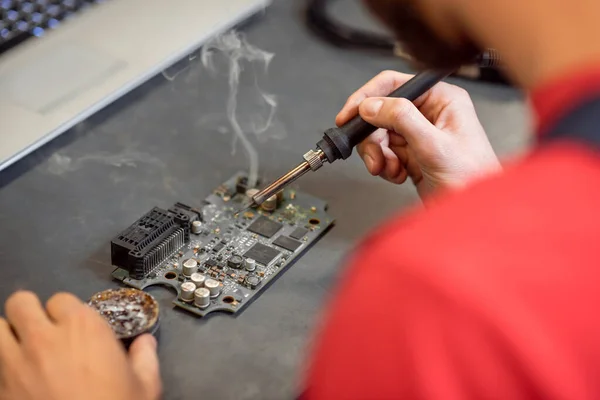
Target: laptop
{"type": "Point", "coordinates": [63, 60]}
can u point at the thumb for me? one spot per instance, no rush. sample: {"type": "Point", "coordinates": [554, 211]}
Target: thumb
{"type": "Point", "coordinates": [144, 361]}
{"type": "Point", "coordinates": [398, 115]}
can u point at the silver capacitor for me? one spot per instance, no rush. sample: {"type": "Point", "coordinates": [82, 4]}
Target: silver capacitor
{"type": "Point", "coordinates": [202, 297]}
{"type": "Point", "coordinates": [250, 264]}
{"type": "Point", "coordinates": [213, 287]}
{"type": "Point", "coordinates": [198, 279]}
{"type": "Point", "coordinates": [189, 267]}
{"type": "Point", "coordinates": [252, 192]}
{"type": "Point", "coordinates": [196, 226]}
{"type": "Point", "coordinates": [270, 204]}
{"type": "Point", "coordinates": [187, 291]}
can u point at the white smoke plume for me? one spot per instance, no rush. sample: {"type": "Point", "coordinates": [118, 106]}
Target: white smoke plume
{"type": "Point", "coordinates": [234, 47]}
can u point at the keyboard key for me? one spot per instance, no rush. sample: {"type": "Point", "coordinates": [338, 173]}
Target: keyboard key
{"type": "Point", "coordinates": [37, 18]}
{"type": "Point", "coordinates": [27, 7]}
{"type": "Point", "coordinates": [37, 31]}
{"type": "Point", "coordinates": [53, 10]}
{"type": "Point", "coordinates": [53, 23]}
{"type": "Point", "coordinates": [12, 15]}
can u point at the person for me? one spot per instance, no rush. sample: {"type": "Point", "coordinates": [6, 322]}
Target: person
{"type": "Point", "coordinates": [491, 290]}
{"type": "Point", "coordinates": [488, 292]}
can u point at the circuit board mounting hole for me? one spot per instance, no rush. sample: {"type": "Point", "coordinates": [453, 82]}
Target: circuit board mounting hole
{"type": "Point", "coordinates": [314, 221]}
{"type": "Point", "coordinates": [170, 275]}
{"type": "Point", "coordinates": [228, 299]}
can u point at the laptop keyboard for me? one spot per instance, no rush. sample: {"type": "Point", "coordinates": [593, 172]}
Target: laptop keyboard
{"type": "Point", "coordinates": [24, 19]}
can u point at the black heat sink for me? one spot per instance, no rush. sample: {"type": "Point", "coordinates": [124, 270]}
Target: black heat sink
{"type": "Point", "coordinates": [150, 240]}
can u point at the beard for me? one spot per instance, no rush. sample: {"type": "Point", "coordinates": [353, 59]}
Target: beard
{"type": "Point", "coordinates": [421, 42]}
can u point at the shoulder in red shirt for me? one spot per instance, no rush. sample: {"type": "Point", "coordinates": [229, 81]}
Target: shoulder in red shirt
{"type": "Point", "coordinates": [490, 293]}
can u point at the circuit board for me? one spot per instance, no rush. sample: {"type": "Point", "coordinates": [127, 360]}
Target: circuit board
{"type": "Point", "coordinates": [235, 256]}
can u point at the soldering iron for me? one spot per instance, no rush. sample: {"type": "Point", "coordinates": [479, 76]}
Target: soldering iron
{"type": "Point", "coordinates": [338, 142]}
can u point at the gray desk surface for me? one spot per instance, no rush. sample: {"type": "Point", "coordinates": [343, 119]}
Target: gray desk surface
{"type": "Point", "coordinates": [60, 206]}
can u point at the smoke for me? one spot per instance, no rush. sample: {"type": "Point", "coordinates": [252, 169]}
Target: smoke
{"type": "Point", "coordinates": [237, 52]}
{"type": "Point", "coordinates": [59, 164]}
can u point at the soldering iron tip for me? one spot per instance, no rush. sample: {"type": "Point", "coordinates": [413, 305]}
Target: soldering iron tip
{"type": "Point", "coordinates": [245, 206]}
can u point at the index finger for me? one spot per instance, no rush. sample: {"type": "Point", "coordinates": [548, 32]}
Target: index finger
{"type": "Point", "coordinates": [8, 342]}
{"type": "Point", "coordinates": [380, 86]}
{"type": "Point", "coordinates": [63, 306]}
{"type": "Point", "coordinates": [25, 313]}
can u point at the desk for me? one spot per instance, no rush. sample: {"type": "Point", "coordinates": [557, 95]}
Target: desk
{"type": "Point", "coordinates": [60, 206]}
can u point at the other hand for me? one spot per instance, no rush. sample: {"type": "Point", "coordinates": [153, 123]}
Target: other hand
{"type": "Point", "coordinates": [437, 141]}
{"type": "Point", "coordinates": [68, 352]}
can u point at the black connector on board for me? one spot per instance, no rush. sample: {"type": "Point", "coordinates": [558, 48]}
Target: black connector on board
{"type": "Point", "coordinates": [150, 240]}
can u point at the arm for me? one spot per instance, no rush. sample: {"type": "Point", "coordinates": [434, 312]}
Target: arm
{"type": "Point", "coordinates": [487, 294]}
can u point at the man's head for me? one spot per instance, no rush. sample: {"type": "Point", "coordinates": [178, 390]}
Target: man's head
{"type": "Point", "coordinates": [430, 45]}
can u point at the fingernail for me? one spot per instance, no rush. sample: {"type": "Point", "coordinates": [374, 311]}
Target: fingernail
{"type": "Point", "coordinates": [369, 162]}
{"type": "Point", "coordinates": [371, 107]}
{"type": "Point", "coordinates": [358, 100]}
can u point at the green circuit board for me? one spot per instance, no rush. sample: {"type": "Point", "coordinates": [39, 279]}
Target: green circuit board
{"type": "Point", "coordinates": [243, 253]}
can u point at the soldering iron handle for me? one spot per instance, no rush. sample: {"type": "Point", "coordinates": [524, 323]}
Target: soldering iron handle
{"type": "Point", "coordinates": [338, 142]}
{"type": "Point", "coordinates": [357, 129]}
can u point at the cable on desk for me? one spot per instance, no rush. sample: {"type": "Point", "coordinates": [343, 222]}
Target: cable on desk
{"type": "Point", "coordinates": [342, 35]}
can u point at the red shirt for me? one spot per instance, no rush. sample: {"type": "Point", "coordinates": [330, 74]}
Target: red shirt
{"type": "Point", "coordinates": [492, 292]}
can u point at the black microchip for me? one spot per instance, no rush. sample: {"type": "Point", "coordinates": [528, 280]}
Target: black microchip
{"type": "Point", "coordinates": [299, 233]}
{"type": "Point", "coordinates": [262, 254]}
{"type": "Point", "coordinates": [218, 247]}
{"type": "Point", "coordinates": [287, 243]}
{"type": "Point", "coordinates": [211, 262]}
{"type": "Point", "coordinates": [265, 227]}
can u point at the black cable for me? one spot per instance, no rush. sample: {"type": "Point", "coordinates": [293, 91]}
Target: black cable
{"type": "Point", "coordinates": [343, 35]}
